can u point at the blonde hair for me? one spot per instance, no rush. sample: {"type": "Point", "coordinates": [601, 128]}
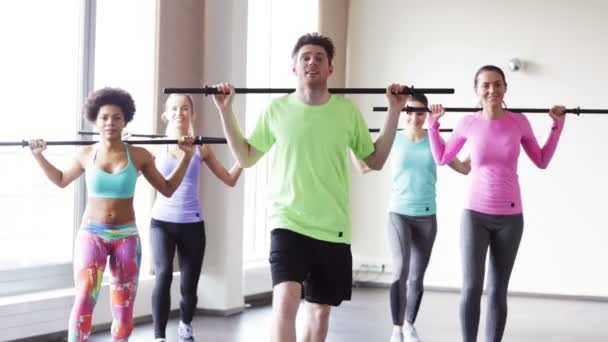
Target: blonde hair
{"type": "Point", "coordinates": [169, 129]}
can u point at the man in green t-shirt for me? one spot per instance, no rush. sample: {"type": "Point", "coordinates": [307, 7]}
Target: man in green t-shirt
{"type": "Point", "coordinates": [309, 184]}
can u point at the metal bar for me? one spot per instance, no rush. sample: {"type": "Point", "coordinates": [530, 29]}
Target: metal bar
{"type": "Point", "coordinates": [197, 141]}
{"type": "Point", "coordinates": [576, 110]}
{"type": "Point", "coordinates": [212, 90]}
{"type": "Point", "coordinates": [376, 130]}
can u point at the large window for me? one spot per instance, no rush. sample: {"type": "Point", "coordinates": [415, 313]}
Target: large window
{"type": "Point", "coordinates": [39, 87]}
{"type": "Point", "coordinates": [124, 58]}
{"type": "Point", "coordinates": [54, 53]}
{"type": "Point", "coordinates": [273, 29]}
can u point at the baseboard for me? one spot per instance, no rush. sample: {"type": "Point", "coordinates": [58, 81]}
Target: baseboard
{"type": "Point", "coordinates": [594, 299]}
{"type": "Point", "coordinates": [221, 313]}
{"type": "Point", "coordinates": [259, 299]}
{"type": "Point", "coordinates": [53, 337]}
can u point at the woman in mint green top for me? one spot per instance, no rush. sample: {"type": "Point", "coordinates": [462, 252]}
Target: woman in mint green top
{"type": "Point", "coordinates": [414, 175]}
{"type": "Point", "coordinates": [412, 224]}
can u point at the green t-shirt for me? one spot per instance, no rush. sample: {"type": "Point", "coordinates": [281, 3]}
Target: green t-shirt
{"type": "Point", "coordinates": [309, 180]}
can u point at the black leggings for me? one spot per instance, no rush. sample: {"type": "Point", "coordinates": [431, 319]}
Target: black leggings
{"type": "Point", "coordinates": [502, 234]}
{"type": "Point", "coordinates": [189, 238]}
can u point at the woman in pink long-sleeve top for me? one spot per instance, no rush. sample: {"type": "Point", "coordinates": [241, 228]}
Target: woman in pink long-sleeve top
{"type": "Point", "coordinates": [493, 215]}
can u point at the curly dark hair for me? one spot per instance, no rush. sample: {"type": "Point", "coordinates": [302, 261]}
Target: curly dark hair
{"type": "Point", "coordinates": [109, 96]}
{"type": "Point", "coordinates": [315, 39]}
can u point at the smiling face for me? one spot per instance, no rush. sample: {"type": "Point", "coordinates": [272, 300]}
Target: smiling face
{"type": "Point", "coordinates": [415, 120]}
{"type": "Point", "coordinates": [490, 87]}
{"type": "Point", "coordinates": [312, 66]}
{"type": "Point", "coordinates": [179, 113]}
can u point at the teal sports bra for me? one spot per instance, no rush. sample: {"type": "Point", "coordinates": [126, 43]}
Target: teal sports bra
{"type": "Point", "coordinates": [120, 184]}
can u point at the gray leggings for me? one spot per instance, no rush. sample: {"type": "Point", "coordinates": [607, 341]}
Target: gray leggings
{"type": "Point", "coordinates": [411, 240]}
{"type": "Point", "coordinates": [502, 233]}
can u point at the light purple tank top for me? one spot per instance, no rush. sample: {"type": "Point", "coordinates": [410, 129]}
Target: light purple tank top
{"type": "Point", "coordinates": [184, 206]}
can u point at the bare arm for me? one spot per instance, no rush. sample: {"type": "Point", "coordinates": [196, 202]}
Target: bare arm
{"type": "Point", "coordinates": [463, 167]}
{"type": "Point", "coordinates": [228, 177]}
{"type": "Point", "coordinates": [155, 151]}
{"type": "Point", "coordinates": [166, 186]}
{"type": "Point", "coordinates": [383, 144]}
{"type": "Point", "coordinates": [359, 164]}
{"type": "Point", "coordinates": [58, 177]}
{"type": "Point", "coordinates": [243, 152]}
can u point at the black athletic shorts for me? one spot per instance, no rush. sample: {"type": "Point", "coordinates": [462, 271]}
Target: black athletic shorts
{"type": "Point", "coordinates": [323, 268]}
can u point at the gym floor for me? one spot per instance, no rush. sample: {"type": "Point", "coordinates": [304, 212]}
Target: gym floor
{"type": "Point", "coordinates": [367, 319]}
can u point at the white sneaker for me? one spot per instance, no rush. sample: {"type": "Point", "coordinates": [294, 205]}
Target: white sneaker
{"type": "Point", "coordinates": [397, 337]}
{"type": "Point", "coordinates": [410, 334]}
{"type": "Point", "coordinates": [184, 331]}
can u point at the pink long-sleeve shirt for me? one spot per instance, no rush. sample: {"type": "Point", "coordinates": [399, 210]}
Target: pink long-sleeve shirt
{"type": "Point", "coordinates": [494, 150]}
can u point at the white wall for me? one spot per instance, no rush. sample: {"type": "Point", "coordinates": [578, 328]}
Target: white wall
{"type": "Point", "coordinates": [436, 43]}
{"type": "Point", "coordinates": [203, 43]}
{"type": "Point", "coordinates": [225, 43]}
{"type": "Point", "coordinates": [199, 43]}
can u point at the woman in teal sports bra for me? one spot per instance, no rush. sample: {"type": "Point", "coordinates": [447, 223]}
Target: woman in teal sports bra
{"type": "Point", "coordinates": [108, 225]}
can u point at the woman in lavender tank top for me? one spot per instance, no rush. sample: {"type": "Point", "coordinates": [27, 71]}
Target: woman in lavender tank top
{"type": "Point", "coordinates": [177, 222]}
